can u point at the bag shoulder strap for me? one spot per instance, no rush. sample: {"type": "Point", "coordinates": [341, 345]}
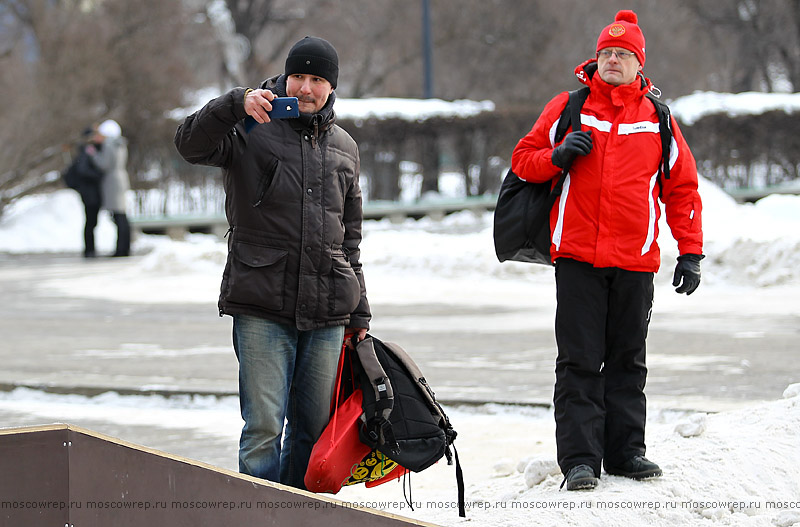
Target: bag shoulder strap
{"type": "Point", "coordinates": [571, 115]}
{"type": "Point", "coordinates": [379, 381]}
{"type": "Point", "coordinates": [665, 130]}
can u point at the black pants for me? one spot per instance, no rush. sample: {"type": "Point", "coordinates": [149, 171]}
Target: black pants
{"type": "Point", "coordinates": [601, 327]}
{"type": "Point", "coordinates": [123, 234]}
{"type": "Point", "coordinates": [88, 229]}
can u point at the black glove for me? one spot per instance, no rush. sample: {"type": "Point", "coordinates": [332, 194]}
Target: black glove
{"type": "Point", "coordinates": [575, 144]}
{"type": "Point", "coordinates": [688, 270]}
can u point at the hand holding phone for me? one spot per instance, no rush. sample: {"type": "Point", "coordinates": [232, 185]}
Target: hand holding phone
{"type": "Point", "coordinates": [282, 108]}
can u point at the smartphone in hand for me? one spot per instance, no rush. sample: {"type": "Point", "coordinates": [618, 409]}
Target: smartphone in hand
{"type": "Point", "coordinates": [282, 108]}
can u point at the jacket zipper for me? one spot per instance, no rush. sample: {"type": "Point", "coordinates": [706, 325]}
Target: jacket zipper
{"type": "Point", "coordinates": [315, 133]}
{"type": "Point", "coordinates": [229, 231]}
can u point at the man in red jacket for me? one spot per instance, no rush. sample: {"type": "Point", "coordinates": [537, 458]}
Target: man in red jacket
{"type": "Point", "coordinates": [604, 244]}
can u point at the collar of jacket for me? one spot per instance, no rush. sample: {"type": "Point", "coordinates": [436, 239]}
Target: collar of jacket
{"type": "Point", "coordinates": [313, 122]}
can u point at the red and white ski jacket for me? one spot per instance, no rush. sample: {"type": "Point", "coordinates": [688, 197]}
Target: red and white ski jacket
{"type": "Point", "coordinates": [608, 212]}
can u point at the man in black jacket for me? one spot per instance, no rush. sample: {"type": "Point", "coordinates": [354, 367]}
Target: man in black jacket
{"type": "Point", "coordinates": [293, 281]}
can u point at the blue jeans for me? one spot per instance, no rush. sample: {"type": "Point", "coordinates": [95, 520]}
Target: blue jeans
{"type": "Point", "coordinates": [284, 375]}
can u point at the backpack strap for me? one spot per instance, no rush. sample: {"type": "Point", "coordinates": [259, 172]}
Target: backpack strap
{"type": "Point", "coordinates": [378, 425]}
{"type": "Point", "coordinates": [665, 130]}
{"type": "Point", "coordinates": [462, 512]}
{"type": "Point", "coordinates": [571, 115]}
{"type": "Point", "coordinates": [381, 386]}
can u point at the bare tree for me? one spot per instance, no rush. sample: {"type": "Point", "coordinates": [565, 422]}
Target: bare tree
{"type": "Point", "coordinates": [760, 41]}
{"type": "Point", "coordinates": [68, 64]}
{"type": "Point", "coordinates": [65, 64]}
{"type": "Point", "coordinates": [377, 42]}
{"type": "Point", "coordinates": [253, 35]}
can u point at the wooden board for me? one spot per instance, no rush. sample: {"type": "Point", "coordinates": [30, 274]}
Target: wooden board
{"type": "Point", "coordinates": [62, 475]}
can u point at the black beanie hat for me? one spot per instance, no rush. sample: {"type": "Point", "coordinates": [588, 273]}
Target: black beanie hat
{"type": "Point", "coordinates": [314, 56]}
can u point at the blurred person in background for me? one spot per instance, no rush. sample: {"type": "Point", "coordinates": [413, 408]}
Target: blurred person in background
{"type": "Point", "coordinates": [112, 159]}
{"type": "Point", "coordinates": [85, 177]}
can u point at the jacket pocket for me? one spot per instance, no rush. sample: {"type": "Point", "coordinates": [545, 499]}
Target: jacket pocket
{"type": "Point", "coordinates": [257, 275]}
{"type": "Point", "coordinates": [266, 182]}
{"type": "Point", "coordinates": [344, 291]}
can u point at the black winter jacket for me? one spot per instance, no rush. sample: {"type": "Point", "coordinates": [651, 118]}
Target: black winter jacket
{"type": "Point", "coordinates": [88, 177]}
{"type": "Point", "coordinates": [293, 203]}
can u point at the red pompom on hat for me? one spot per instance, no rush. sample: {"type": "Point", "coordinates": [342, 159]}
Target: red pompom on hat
{"type": "Point", "coordinates": [624, 33]}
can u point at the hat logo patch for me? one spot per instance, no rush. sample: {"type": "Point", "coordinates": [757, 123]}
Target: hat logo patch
{"type": "Point", "coordinates": [617, 30]}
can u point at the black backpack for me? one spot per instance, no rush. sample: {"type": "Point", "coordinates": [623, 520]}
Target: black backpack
{"type": "Point", "coordinates": [522, 214]}
{"type": "Point", "coordinates": [71, 177]}
{"type": "Point", "coordinates": [402, 418]}
{"type": "Point", "coordinates": [81, 171]}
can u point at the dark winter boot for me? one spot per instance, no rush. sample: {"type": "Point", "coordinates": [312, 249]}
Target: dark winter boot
{"type": "Point", "coordinates": [637, 467]}
{"type": "Point", "coordinates": [580, 477]}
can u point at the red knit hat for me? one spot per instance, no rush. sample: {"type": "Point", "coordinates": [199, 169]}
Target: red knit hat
{"type": "Point", "coordinates": [624, 33]}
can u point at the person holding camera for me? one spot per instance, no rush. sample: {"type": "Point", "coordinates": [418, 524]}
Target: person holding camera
{"type": "Point", "coordinates": [293, 279]}
{"type": "Point", "coordinates": [604, 244]}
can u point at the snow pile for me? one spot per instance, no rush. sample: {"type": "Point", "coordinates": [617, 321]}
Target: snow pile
{"type": "Point", "coordinates": [734, 468]}
{"type": "Point", "coordinates": [740, 470]}
{"type": "Point", "coordinates": [693, 426]}
{"type": "Point", "coordinates": [51, 223]}
{"type": "Point", "coordinates": [751, 244]}
{"type": "Point", "coordinates": [408, 109]}
{"type": "Point", "coordinates": [691, 108]}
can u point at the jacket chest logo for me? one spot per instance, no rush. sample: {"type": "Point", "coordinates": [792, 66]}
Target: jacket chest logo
{"type": "Point", "coordinates": [636, 128]}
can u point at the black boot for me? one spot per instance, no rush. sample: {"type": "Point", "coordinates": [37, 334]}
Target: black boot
{"type": "Point", "coordinates": [580, 477]}
{"type": "Point", "coordinates": [637, 467]}
{"type": "Point", "coordinates": [123, 234]}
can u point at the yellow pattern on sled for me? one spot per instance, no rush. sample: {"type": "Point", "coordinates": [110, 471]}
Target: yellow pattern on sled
{"type": "Point", "coordinates": [374, 466]}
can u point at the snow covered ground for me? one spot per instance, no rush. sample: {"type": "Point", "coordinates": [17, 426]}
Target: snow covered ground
{"type": "Point", "coordinates": [737, 467]}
